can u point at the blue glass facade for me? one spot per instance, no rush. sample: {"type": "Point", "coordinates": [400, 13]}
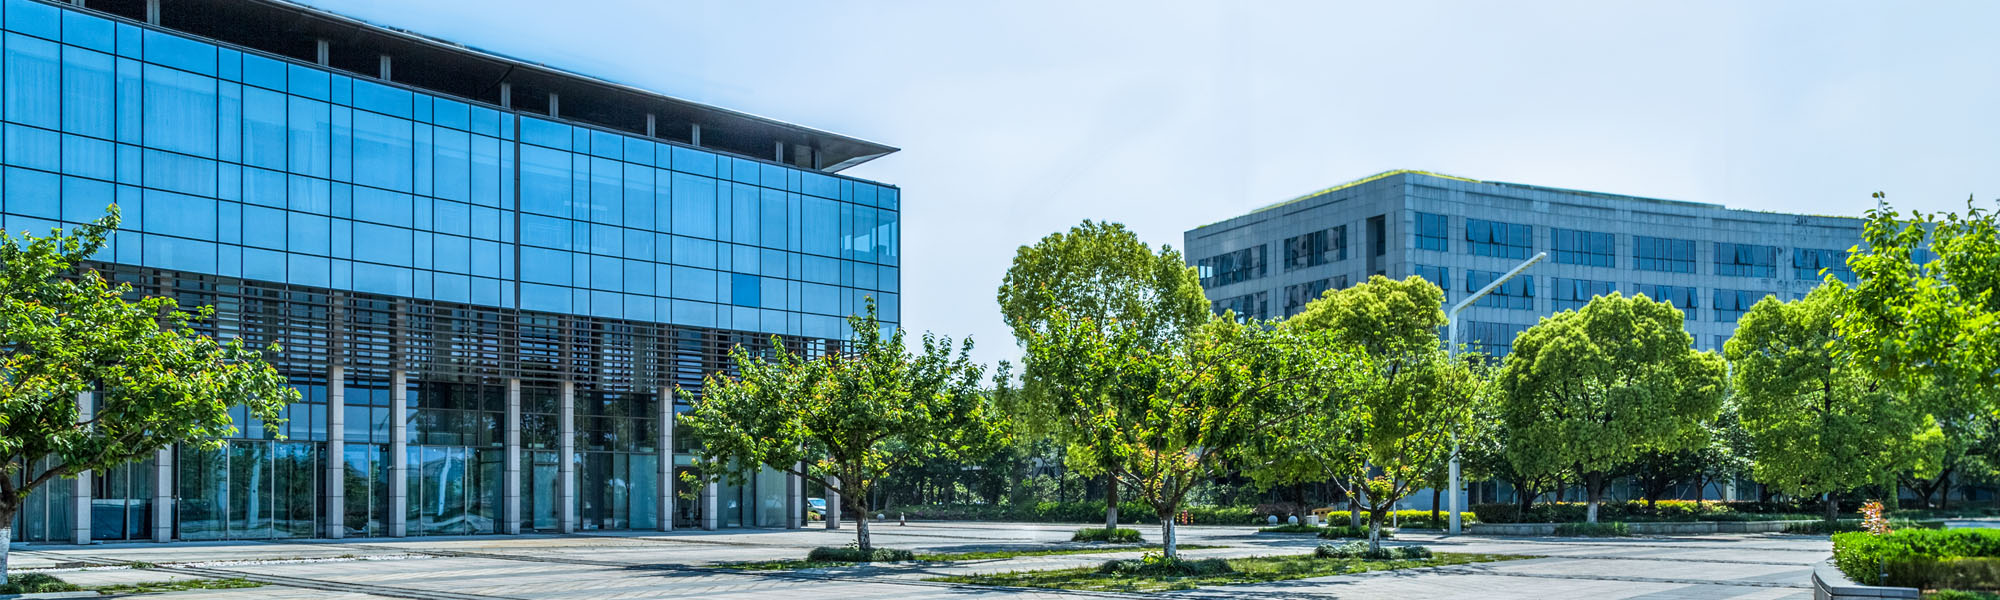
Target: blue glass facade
{"type": "Point", "coordinates": [239, 164]}
{"type": "Point", "coordinates": [487, 307]}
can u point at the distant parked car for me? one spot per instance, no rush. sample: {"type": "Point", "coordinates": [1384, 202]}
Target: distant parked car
{"type": "Point", "coordinates": [816, 509]}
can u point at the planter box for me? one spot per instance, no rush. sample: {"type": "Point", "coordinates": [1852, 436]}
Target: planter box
{"type": "Point", "coordinates": [1830, 584]}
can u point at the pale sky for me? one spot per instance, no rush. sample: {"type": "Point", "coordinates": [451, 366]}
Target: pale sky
{"type": "Point", "coordinates": [1021, 118]}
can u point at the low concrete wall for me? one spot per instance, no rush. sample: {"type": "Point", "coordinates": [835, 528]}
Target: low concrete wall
{"type": "Point", "coordinates": [1667, 528]}
{"type": "Point", "coordinates": [1830, 584]}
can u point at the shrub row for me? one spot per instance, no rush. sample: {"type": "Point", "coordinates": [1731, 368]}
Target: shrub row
{"type": "Point", "coordinates": [1921, 558]}
{"type": "Point", "coordinates": [1331, 532]}
{"type": "Point", "coordinates": [1819, 527]}
{"type": "Point", "coordinates": [1612, 529]}
{"type": "Point", "coordinates": [1637, 511]}
{"type": "Point", "coordinates": [1360, 550]}
{"type": "Point", "coordinates": [1069, 512]}
{"type": "Point", "coordinates": [853, 554]}
{"type": "Point", "coordinates": [1114, 536]}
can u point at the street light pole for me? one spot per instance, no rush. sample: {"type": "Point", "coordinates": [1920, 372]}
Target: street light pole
{"type": "Point", "coordinates": [1451, 347]}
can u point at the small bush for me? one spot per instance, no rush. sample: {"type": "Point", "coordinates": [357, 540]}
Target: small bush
{"type": "Point", "coordinates": [1110, 536]}
{"type": "Point", "coordinates": [1349, 531]}
{"type": "Point", "coordinates": [1360, 550]}
{"type": "Point", "coordinates": [35, 583]}
{"type": "Point", "coordinates": [853, 554]}
{"type": "Point", "coordinates": [1593, 530]}
{"type": "Point", "coordinates": [1421, 519]}
{"type": "Point", "coordinates": [1156, 565]}
{"type": "Point", "coordinates": [1960, 595]}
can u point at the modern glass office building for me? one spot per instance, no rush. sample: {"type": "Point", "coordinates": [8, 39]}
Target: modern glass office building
{"type": "Point", "coordinates": [487, 275]}
{"type": "Point", "coordinates": [1710, 261]}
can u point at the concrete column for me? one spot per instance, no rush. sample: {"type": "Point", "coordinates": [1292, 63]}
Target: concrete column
{"type": "Point", "coordinates": [566, 458]}
{"type": "Point", "coordinates": [507, 95]}
{"type": "Point", "coordinates": [153, 12]}
{"type": "Point", "coordinates": [652, 125]}
{"type": "Point", "coordinates": [832, 504]}
{"type": "Point", "coordinates": [710, 521]}
{"type": "Point", "coordinates": [555, 105]}
{"type": "Point", "coordinates": [510, 508]}
{"type": "Point", "coordinates": [334, 517]}
{"type": "Point", "coordinates": [399, 453]}
{"type": "Point", "coordinates": [163, 495]}
{"type": "Point", "coordinates": [385, 64]}
{"type": "Point", "coordinates": [695, 134]}
{"type": "Point", "coordinates": [666, 441]}
{"type": "Point", "coordinates": [795, 499]}
{"type": "Point", "coordinates": [81, 500]}
{"type": "Point", "coordinates": [323, 51]}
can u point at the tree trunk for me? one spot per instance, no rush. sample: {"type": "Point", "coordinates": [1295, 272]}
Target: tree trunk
{"type": "Point", "coordinates": [1374, 528]}
{"type": "Point", "coordinates": [1169, 542]}
{"type": "Point", "coordinates": [1832, 510]}
{"type": "Point", "coordinates": [1944, 494]}
{"type": "Point", "coordinates": [1354, 506]}
{"type": "Point", "coordinates": [861, 531]}
{"type": "Point", "coordinates": [1110, 502]}
{"type": "Point", "coordinates": [1700, 489]}
{"type": "Point", "coordinates": [6, 537]}
{"type": "Point", "coordinates": [1436, 496]}
{"type": "Point", "coordinates": [1593, 487]}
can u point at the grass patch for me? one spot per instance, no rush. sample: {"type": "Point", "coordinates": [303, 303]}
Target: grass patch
{"type": "Point", "coordinates": [182, 585]}
{"type": "Point", "coordinates": [1290, 528]}
{"type": "Point", "coordinates": [1240, 570]}
{"type": "Point", "coordinates": [857, 555]}
{"type": "Point", "coordinates": [1819, 527]}
{"type": "Point", "coordinates": [1593, 530]}
{"type": "Point", "coordinates": [35, 583]}
{"type": "Point", "coordinates": [1112, 536]}
{"type": "Point", "coordinates": [788, 565]}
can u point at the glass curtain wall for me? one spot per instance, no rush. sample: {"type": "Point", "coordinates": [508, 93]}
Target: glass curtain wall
{"type": "Point", "coordinates": [540, 506]}
{"type": "Point", "coordinates": [248, 489]}
{"type": "Point", "coordinates": [455, 458]}
{"type": "Point", "coordinates": [46, 516]}
{"type": "Point", "coordinates": [617, 460]}
{"type": "Point", "coordinates": [121, 502]}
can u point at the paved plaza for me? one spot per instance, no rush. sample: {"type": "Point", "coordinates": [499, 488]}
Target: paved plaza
{"type": "Point", "coordinates": [628, 565]}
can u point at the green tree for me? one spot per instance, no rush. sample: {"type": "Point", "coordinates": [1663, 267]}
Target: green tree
{"type": "Point", "coordinates": [1189, 412]}
{"type": "Point", "coordinates": [1097, 273]}
{"type": "Point", "coordinates": [1916, 323]}
{"type": "Point", "coordinates": [844, 419]}
{"type": "Point", "coordinates": [1416, 397]}
{"type": "Point", "coordinates": [1590, 389]}
{"type": "Point", "coordinates": [1820, 424]}
{"type": "Point", "coordinates": [65, 331]}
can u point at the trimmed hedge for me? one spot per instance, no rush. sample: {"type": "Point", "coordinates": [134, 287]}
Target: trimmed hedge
{"type": "Point", "coordinates": [1612, 529]}
{"type": "Point", "coordinates": [1360, 550]}
{"type": "Point", "coordinates": [1336, 532]}
{"type": "Point", "coordinates": [1421, 519]}
{"type": "Point", "coordinates": [1112, 536]}
{"type": "Point", "coordinates": [1072, 512]}
{"type": "Point", "coordinates": [852, 554]}
{"type": "Point", "coordinates": [1921, 558]}
{"type": "Point", "coordinates": [1819, 527]}
{"type": "Point", "coordinates": [1636, 511]}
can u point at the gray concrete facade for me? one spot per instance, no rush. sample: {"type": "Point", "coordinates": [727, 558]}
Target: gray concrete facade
{"type": "Point", "coordinates": [1397, 198]}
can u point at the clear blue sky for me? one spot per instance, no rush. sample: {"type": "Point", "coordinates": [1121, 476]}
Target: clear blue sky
{"type": "Point", "coordinates": [1021, 118]}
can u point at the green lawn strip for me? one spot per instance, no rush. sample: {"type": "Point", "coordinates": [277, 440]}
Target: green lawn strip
{"type": "Point", "coordinates": [1256, 569]}
{"type": "Point", "coordinates": [788, 565]}
{"type": "Point", "coordinates": [35, 583]}
{"type": "Point", "coordinates": [179, 585]}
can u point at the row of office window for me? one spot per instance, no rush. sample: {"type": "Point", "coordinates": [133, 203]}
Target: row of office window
{"type": "Point", "coordinates": [1298, 295]}
{"type": "Point", "coordinates": [1316, 248]}
{"type": "Point", "coordinates": [1254, 305]}
{"type": "Point", "coordinates": [243, 165]}
{"type": "Point", "coordinates": [1232, 267]}
{"type": "Point", "coordinates": [1570, 294]}
{"type": "Point", "coordinates": [1598, 249]}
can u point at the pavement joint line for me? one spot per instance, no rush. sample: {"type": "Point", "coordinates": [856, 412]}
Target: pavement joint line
{"type": "Point", "coordinates": [302, 582]}
{"type": "Point", "coordinates": [1624, 578]}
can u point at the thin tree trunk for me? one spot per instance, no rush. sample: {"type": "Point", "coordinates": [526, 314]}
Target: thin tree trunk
{"type": "Point", "coordinates": [6, 537]}
{"type": "Point", "coordinates": [1832, 511]}
{"type": "Point", "coordinates": [1436, 495]}
{"type": "Point", "coordinates": [1110, 502]}
{"type": "Point", "coordinates": [1593, 486]}
{"type": "Point", "coordinates": [1169, 542]}
{"type": "Point", "coordinates": [861, 531]}
{"type": "Point", "coordinates": [1944, 495]}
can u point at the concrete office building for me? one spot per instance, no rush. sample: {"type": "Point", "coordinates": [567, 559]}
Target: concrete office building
{"type": "Point", "coordinates": [1710, 261]}
{"type": "Point", "coordinates": [487, 275]}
